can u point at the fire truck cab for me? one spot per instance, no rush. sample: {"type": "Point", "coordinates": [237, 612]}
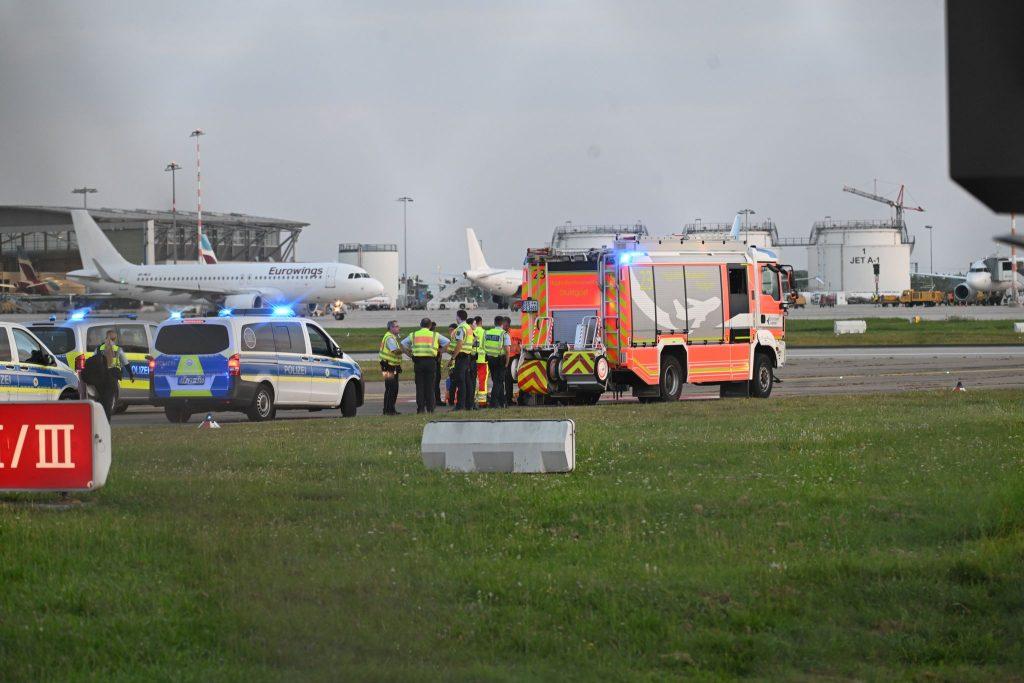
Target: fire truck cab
{"type": "Point", "coordinates": [650, 315]}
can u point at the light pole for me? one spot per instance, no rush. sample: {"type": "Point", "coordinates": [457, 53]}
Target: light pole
{"type": "Point", "coordinates": [85, 192]}
{"type": "Point", "coordinates": [931, 249]}
{"type": "Point", "coordinates": [747, 213]}
{"type": "Point", "coordinates": [405, 235]}
{"type": "Point", "coordinates": [174, 167]}
{"type": "Point", "coordinates": [197, 133]}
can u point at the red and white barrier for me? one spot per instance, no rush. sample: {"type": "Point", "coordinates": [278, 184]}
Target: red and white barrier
{"type": "Point", "coordinates": [53, 446]}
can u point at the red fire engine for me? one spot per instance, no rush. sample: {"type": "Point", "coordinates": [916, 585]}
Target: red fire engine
{"type": "Point", "coordinates": [649, 316]}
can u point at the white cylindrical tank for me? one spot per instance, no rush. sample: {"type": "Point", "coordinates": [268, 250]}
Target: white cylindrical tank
{"type": "Point", "coordinates": [584, 237]}
{"type": "Point", "coordinates": [764, 235]}
{"type": "Point", "coordinates": [841, 257]}
{"type": "Point", "coordinates": [379, 260]}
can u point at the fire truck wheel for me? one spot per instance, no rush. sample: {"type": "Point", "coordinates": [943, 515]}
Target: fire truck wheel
{"type": "Point", "coordinates": [553, 363]}
{"type": "Point", "coordinates": [761, 384]}
{"type": "Point", "coordinates": [601, 368]}
{"type": "Point", "coordinates": [671, 378]}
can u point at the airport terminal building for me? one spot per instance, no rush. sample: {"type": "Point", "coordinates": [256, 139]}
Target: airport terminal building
{"type": "Point", "coordinates": [45, 235]}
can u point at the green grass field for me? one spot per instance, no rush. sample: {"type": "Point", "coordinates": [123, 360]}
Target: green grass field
{"type": "Point", "coordinates": [881, 332]}
{"type": "Point", "coordinates": [871, 537]}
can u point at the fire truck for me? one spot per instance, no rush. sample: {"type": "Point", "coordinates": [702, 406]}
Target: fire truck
{"type": "Point", "coordinates": [648, 316]}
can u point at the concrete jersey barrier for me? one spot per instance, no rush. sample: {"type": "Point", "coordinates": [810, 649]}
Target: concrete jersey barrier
{"type": "Point", "coordinates": [521, 446]}
{"type": "Point", "coordinates": [850, 326]}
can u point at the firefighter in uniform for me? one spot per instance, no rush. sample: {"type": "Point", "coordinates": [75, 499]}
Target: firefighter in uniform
{"type": "Point", "coordinates": [497, 358]}
{"type": "Point", "coordinates": [481, 361]}
{"type": "Point", "coordinates": [465, 364]}
{"type": "Point", "coordinates": [391, 364]}
{"type": "Point", "coordinates": [422, 346]}
{"type": "Point", "coordinates": [117, 365]}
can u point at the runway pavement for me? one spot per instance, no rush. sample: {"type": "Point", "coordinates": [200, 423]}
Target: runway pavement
{"type": "Point", "coordinates": [808, 372]}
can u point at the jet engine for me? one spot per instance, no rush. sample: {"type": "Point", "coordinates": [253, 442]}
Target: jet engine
{"type": "Point", "coordinates": [251, 300]}
{"type": "Point", "coordinates": [964, 292]}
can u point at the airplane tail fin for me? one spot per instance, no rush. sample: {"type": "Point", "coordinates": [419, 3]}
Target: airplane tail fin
{"type": "Point", "coordinates": [735, 232]}
{"type": "Point", "coordinates": [206, 251]}
{"type": "Point", "coordinates": [28, 271]}
{"type": "Point", "coordinates": [95, 249]}
{"type": "Point", "coordinates": [476, 254]}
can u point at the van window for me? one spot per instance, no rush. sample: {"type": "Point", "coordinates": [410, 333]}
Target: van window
{"type": "Point", "coordinates": [5, 346]}
{"type": "Point", "coordinates": [60, 340]}
{"type": "Point", "coordinates": [770, 282]}
{"type": "Point", "coordinates": [318, 342]}
{"type": "Point", "coordinates": [132, 338]}
{"type": "Point", "coordinates": [288, 338]}
{"type": "Point", "coordinates": [258, 337]}
{"type": "Point", "coordinates": [96, 335]}
{"type": "Point", "coordinates": [29, 350]}
{"type": "Point", "coordinates": [192, 339]}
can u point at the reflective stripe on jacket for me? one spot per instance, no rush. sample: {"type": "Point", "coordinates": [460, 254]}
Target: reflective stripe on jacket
{"type": "Point", "coordinates": [387, 355]}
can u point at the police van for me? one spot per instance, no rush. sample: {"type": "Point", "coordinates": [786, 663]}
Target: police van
{"type": "Point", "coordinates": [31, 372]}
{"type": "Point", "coordinates": [252, 361]}
{"type": "Point", "coordinates": [75, 339]}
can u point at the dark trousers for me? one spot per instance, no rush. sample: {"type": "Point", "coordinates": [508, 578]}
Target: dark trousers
{"type": "Point", "coordinates": [497, 370]}
{"type": "Point", "coordinates": [465, 378]}
{"type": "Point", "coordinates": [510, 382]}
{"type": "Point", "coordinates": [390, 394]}
{"type": "Point", "coordinates": [425, 383]}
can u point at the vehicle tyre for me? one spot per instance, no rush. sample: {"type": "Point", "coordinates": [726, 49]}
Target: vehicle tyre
{"type": "Point", "coordinates": [601, 369]}
{"type": "Point", "coordinates": [262, 407]}
{"type": "Point", "coordinates": [671, 382]}
{"type": "Point", "coordinates": [348, 401]}
{"type": "Point", "coordinates": [462, 306]}
{"type": "Point", "coordinates": [440, 307]}
{"type": "Point", "coordinates": [120, 407]}
{"type": "Point", "coordinates": [553, 366]}
{"type": "Point", "coordinates": [69, 395]}
{"type": "Point", "coordinates": [763, 380]}
{"type": "Point", "coordinates": [177, 414]}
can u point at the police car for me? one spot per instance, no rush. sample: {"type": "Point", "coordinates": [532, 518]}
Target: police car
{"type": "Point", "coordinates": [31, 372]}
{"type": "Point", "coordinates": [252, 361]}
{"type": "Point", "coordinates": [75, 339]}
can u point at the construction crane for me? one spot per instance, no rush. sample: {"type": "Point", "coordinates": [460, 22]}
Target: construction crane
{"type": "Point", "coordinates": [896, 204]}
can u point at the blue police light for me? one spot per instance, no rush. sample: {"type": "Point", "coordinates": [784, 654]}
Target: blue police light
{"type": "Point", "coordinates": [53, 318]}
{"type": "Point", "coordinates": [624, 259]}
{"type": "Point", "coordinates": [175, 315]}
{"type": "Point", "coordinates": [79, 315]}
{"type": "Point", "coordinates": [283, 310]}
{"type": "Point", "coordinates": [225, 312]}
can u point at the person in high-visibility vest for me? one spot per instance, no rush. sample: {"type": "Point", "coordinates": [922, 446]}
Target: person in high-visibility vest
{"type": "Point", "coordinates": [390, 355]}
{"type": "Point", "coordinates": [465, 365]}
{"type": "Point", "coordinates": [481, 362]}
{"type": "Point", "coordinates": [422, 346]}
{"type": "Point", "coordinates": [497, 359]}
{"type": "Point", "coordinates": [117, 366]}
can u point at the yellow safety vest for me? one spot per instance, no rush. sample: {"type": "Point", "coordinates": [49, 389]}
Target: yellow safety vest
{"type": "Point", "coordinates": [387, 355]}
{"type": "Point", "coordinates": [494, 342]}
{"type": "Point", "coordinates": [478, 345]}
{"type": "Point", "coordinates": [116, 363]}
{"type": "Point", "coordinates": [424, 343]}
{"type": "Point", "coordinates": [467, 338]}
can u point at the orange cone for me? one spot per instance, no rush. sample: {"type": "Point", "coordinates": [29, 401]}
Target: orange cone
{"type": "Point", "coordinates": [959, 386]}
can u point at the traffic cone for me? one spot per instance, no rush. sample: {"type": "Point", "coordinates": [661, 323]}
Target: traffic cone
{"type": "Point", "coordinates": [959, 386]}
{"type": "Point", "coordinates": [209, 422]}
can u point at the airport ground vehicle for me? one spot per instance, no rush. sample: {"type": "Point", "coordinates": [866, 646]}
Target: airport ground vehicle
{"type": "Point", "coordinates": [649, 316]}
{"type": "Point", "coordinates": [78, 337]}
{"type": "Point", "coordinates": [29, 371]}
{"type": "Point", "coordinates": [913, 297]}
{"type": "Point", "coordinates": [252, 361]}
{"type": "Point", "coordinates": [452, 305]}
{"type": "Point", "coordinates": [886, 300]}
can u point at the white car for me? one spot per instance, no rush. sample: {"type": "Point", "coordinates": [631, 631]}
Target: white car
{"type": "Point", "coordinates": [31, 372]}
{"type": "Point", "coordinates": [253, 362]}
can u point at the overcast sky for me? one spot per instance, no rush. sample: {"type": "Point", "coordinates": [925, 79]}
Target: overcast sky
{"type": "Point", "coordinates": [506, 117]}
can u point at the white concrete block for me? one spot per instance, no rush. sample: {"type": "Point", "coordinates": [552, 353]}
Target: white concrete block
{"type": "Point", "coordinates": [850, 326]}
{"type": "Point", "coordinates": [1018, 328]}
{"type": "Point", "coordinates": [525, 446]}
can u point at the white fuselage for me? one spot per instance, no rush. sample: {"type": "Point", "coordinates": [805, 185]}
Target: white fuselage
{"type": "Point", "coordinates": [276, 283]}
{"type": "Point", "coordinates": [495, 281]}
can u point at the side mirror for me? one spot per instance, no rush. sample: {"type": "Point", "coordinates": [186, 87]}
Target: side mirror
{"type": "Point", "coordinates": [50, 360]}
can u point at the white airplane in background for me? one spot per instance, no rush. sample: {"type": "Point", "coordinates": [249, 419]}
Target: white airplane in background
{"type": "Point", "coordinates": [228, 285]}
{"type": "Point", "coordinates": [496, 281]}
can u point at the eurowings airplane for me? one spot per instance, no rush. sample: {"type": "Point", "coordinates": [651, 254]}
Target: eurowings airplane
{"type": "Point", "coordinates": [229, 285]}
{"type": "Point", "coordinates": [497, 281]}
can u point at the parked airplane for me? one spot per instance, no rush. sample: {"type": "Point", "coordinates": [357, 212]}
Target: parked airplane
{"type": "Point", "coordinates": [992, 276]}
{"type": "Point", "coordinates": [229, 285]}
{"type": "Point", "coordinates": [29, 281]}
{"type": "Point", "coordinates": [206, 251]}
{"type": "Point", "coordinates": [496, 281]}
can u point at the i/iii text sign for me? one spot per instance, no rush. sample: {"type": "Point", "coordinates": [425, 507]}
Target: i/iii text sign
{"type": "Point", "coordinates": [55, 446]}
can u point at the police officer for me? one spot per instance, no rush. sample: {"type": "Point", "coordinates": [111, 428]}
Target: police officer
{"type": "Point", "coordinates": [117, 365]}
{"type": "Point", "coordinates": [513, 351]}
{"type": "Point", "coordinates": [422, 346]}
{"type": "Point", "coordinates": [496, 351]}
{"type": "Point", "coordinates": [390, 355]}
{"type": "Point", "coordinates": [465, 363]}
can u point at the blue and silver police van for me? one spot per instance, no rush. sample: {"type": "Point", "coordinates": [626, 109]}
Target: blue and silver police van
{"type": "Point", "coordinates": [29, 371]}
{"type": "Point", "coordinates": [253, 361]}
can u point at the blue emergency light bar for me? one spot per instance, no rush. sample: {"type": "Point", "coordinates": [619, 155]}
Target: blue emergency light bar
{"type": "Point", "coordinates": [77, 316]}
